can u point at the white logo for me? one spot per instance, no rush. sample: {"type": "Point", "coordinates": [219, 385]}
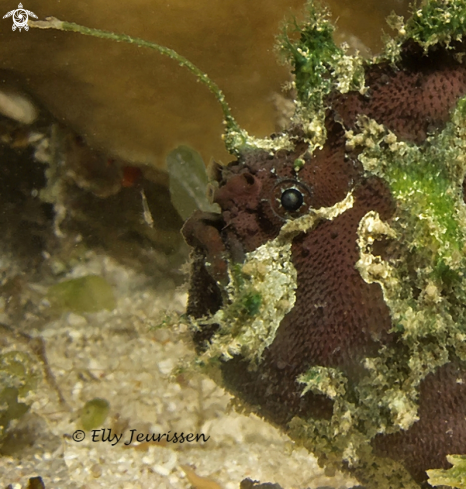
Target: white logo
{"type": "Point", "coordinates": [20, 17]}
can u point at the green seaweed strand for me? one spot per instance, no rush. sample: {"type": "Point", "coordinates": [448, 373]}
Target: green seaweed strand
{"type": "Point", "coordinates": [234, 135]}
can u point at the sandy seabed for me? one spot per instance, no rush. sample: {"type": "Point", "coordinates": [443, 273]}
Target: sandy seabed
{"type": "Point", "coordinates": [145, 371]}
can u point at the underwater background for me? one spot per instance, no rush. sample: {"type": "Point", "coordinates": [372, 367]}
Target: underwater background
{"type": "Point", "coordinates": [91, 258]}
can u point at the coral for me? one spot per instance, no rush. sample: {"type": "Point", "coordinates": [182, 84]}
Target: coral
{"type": "Point", "coordinates": [352, 241]}
{"type": "Point", "coordinates": [138, 106]}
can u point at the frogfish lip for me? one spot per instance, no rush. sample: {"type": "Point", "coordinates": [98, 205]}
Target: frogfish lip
{"type": "Point", "coordinates": [202, 231]}
{"type": "Point", "coordinates": [213, 235]}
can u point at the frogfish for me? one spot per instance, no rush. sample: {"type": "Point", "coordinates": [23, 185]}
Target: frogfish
{"type": "Point", "coordinates": [328, 294]}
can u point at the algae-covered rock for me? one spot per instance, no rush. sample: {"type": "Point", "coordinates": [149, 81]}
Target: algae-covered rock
{"type": "Point", "coordinates": [138, 105]}
{"type": "Point", "coordinates": [91, 293]}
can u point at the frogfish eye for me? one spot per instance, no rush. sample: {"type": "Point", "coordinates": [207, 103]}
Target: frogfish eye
{"type": "Point", "coordinates": [292, 199]}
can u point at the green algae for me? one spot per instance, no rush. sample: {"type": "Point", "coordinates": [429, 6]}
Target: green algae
{"type": "Point", "coordinates": [94, 413]}
{"type": "Point", "coordinates": [321, 380]}
{"type": "Point", "coordinates": [252, 302]}
{"type": "Point", "coordinates": [438, 21]}
{"type": "Point", "coordinates": [261, 291]}
{"type": "Point", "coordinates": [320, 67]}
{"type": "Point", "coordinates": [19, 376]}
{"type": "Point", "coordinates": [426, 183]}
{"type": "Point", "coordinates": [298, 164]}
{"type": "Point", "coordinates": [429, 224]}
{"type": "Point", "coordinates": [314, 56]}
{"type": "Point", "coordinates": [453, 477]}
{"type": "Point", "coordinates": [91, 293]}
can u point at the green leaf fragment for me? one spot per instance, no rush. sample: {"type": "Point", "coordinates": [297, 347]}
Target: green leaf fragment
{"type": "Point", "coordinates": [188, 182]}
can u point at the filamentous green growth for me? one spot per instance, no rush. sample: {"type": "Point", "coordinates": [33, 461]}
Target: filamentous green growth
{"type": "Point", "coordinates": [320, 67]}
{"type": "Point", "coordinates": [236, 139]}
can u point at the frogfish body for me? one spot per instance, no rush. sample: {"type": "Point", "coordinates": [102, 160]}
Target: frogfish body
{"type": "Point", "coordinates": [329, 293]}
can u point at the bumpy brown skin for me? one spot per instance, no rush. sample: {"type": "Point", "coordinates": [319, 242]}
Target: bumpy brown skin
{"type": "Point", "coordinates": [337, 318]}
